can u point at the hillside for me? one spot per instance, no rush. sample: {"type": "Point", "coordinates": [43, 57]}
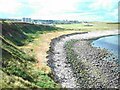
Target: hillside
{"type": "Point", "coordinates": [21, 33]}
{"type": "Point", "coordinates": [18, 68]}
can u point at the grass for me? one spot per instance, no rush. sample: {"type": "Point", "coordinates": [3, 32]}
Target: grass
{"type": "Point", "coordinates": [24, 53]}
{"type": "Point", "coordinates": [43, 40]}
{"type": "Point", "coordinates": [23, 33]}
{"type": "Point", "coordinates": [40, 46]}
{"type": "Point", "coordinates": [17, 64]}
{"type": "Point", "coordinates": [19, 68]}
{"type": "Point", "coordinates": [96, 26]}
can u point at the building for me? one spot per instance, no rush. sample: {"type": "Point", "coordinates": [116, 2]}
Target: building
{"type": "Point", "coordinates": [28, 20]}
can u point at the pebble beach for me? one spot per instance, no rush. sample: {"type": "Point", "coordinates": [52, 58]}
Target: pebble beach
{"type": "Point", "coordinates": [75, 63]}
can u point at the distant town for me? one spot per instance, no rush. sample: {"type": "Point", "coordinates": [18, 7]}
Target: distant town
{"type": "Point", "coordinates": [40, 21]}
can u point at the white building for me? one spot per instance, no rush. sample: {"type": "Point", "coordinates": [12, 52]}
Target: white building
{"type": "Point", "coordinates": [28, 20]}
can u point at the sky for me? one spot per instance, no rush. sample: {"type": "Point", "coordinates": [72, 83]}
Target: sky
{"type": "Point", "coordinates": [82, 10]}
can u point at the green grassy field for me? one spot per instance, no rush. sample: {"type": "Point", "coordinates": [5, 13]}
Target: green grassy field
{"type": "Point", "coordinates": [96, 26]}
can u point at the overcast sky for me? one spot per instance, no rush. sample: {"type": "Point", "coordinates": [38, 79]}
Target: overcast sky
{"type": "Point", "coordinates": [87, 10]}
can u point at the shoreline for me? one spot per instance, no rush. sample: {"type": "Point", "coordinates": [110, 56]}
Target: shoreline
{"type": "Point", "coordinates": [61, 68]}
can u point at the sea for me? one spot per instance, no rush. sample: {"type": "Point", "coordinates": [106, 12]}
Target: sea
{"type": "Point", "coordinates": [111, 43]}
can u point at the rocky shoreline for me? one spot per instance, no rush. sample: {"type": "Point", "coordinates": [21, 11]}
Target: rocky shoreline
{"type": "Point", "coordinates": [76, 64]}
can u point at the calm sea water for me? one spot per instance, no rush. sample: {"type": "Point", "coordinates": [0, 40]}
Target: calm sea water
{"type": "Point", "coordinates": [109, 42]}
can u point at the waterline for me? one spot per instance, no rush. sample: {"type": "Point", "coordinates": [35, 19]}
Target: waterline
{"type": "Point", "coordinates": [111, 43]}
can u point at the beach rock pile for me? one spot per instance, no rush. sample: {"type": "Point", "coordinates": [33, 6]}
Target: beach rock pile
{"type": "Point", "coordinates": [92, 67]}
{"type": "Point", "coordinates": [57, 61]}
{"type": "Point", "coordinates": [76, 64]}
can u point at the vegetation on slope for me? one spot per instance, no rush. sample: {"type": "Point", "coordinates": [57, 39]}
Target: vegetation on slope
{"type": "Point", "coordinates": [18, 68]}
{"type": "Point", "coordinates": [21, 33]}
